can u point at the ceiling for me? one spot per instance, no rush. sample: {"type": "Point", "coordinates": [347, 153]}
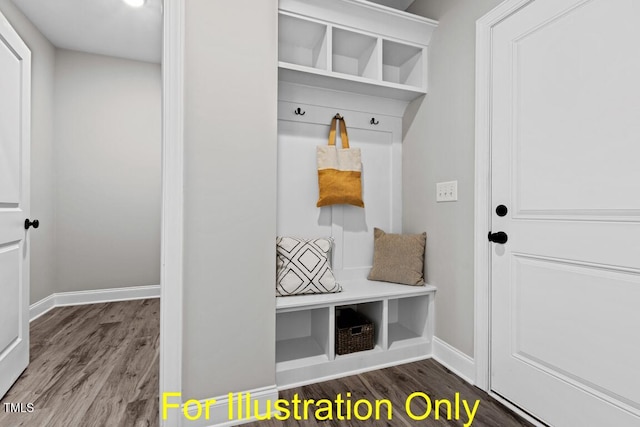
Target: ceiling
{"type": "Point", "coordinates": [110, 27]}
{"type": "Point", "coordinates": [105, 27]}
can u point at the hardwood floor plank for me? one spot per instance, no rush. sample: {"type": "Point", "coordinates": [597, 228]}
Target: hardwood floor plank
{"type": "Point", "coordinates": [446, 384]}
{"type": "Point", "coordinates": [98, 365]}
{"type": "Point", "coordinates": [53, 366]}
{"type": "Point", "coordinates": [140, 325]}
{"type": "Point", "coordinates": [88, 357]}
{"type": "Point", "coordinates": [123, 382]}
{"type": "Point", "coordinates": [41, 417]}
{"type": "Point", "coordinates": [386, 393]}
{"type": "Point", "coordinates": [149, 382]}
{"type": "Point", "coordinates": [141, 413]}
{"type": "Point", "coordinates": [66, 331]}
{"type": "Point", "coordinates": [85, 388]}
{"type": "Point", "coordinates": [396, 384]}
{"type": "Point", "coordinates": [118, 313]}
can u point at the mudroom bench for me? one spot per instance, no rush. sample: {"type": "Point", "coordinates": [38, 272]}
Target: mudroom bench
{"type": "Point", "coordinates": [305, 330]}
{"type": "Point", "coordinates": [365, 62]}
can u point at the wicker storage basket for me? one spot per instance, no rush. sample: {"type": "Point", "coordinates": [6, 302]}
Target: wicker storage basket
{"type": "Point", "coordinates": [354, 332]}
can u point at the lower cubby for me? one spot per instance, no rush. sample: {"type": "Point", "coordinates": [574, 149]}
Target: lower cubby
{"type": "Point", "coordinates": [303, 337]}
{"type": "Point", "coordinates": [372, 311]}
{"type": "Point", "coordinates": [306, 330]}
{"type": "Point", "coordinates": [407, 320]}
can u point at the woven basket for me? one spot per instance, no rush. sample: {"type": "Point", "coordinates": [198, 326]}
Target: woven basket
{"type": "Point", "coordinates": [354, 332]}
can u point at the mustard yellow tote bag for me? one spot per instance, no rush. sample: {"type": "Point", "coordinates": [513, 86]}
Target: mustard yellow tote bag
{"type": "Point", "coordinates": [339, 170]}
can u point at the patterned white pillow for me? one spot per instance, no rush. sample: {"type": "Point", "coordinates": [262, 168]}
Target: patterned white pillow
{"type": "Point", "coordinates": [303, 267]}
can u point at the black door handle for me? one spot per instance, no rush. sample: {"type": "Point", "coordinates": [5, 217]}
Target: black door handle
{"type": "Point", "coordinates": [499, 237]}
{"type": "Point", "coordinates": [35, 223]}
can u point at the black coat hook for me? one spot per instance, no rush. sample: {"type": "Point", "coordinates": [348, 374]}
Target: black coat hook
{"type": "Point", "coordinates": [373, 121]}
{"type": "Point", "coordinates": [299, 112]}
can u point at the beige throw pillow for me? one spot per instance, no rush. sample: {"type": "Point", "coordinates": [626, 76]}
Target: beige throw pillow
{"type": "Point", "coordinates": [398, 258]}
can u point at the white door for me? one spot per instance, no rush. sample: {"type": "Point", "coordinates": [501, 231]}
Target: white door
{"type": "Point", "coordinates": [15, 85]}
{"type": "Point", "coordinates": [565, 291]}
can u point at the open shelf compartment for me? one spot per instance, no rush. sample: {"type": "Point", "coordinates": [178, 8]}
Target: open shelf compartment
{"type": "Point", "coordinates": [302, 42]}
{"type": "Point", "coordinates": [355, 54]}
{"type": "Point", "coordinates": [303, 336]}
{"type": "Point", "coordinates": [407, 320]}
{"type": "Point", "coordinates": [402, 64]}
{"type": "Point", "coordinates": [374, 312]}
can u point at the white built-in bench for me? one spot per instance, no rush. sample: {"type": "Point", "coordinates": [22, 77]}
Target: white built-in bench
{"type": "Point", "coordinates": [370, 84]}
{"type": "Point", "coordinates": [305, 330]}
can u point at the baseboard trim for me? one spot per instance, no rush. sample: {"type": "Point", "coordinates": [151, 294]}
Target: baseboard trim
{"type": "Point", "coordinates": [219, 411]}
{"type": "Point", "coordinates": [454, 360]}
{"type": "Point", "coordinates": [349, 373]}
{"type": "Point", "coordinates": [41, 307]}
{"type": "Point", "coordinates": [92, 297]}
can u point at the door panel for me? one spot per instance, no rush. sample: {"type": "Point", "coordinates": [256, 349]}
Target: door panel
{"type": "Point", "coordinates": [10, 291]}
{"type": "Point", "coordinates": [15, 84]}
{"type": "Point", "coordinates": [568, 94]}
{"type": "Point", "coordinates": [565, 144]}
{"type": "Point", "coordinates": [9, 127]}
{"type": "Point", "coordinates": [564, 335]}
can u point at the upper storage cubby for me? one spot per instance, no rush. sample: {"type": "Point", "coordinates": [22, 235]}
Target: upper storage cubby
{"type": "Point", "coordinates": [302, 42]}
{"type": "Point", "coordinates": [402, 64]}
{"type": "Point", "coordinates": [354, 46]}
{"type": "Point", "coordinates": [355, 54]}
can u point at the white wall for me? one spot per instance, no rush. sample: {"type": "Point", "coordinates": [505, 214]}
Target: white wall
{"type": "Point", "coordinates": [107, 164]}
{"type": "Point", "coordinates": [439, 146]}
{"type": "Point", "coordinates": [95, 174]}
{"type": "Point", "coordinates": [230, 196]}
{"type": "Point", "coordinates": [42, 176]}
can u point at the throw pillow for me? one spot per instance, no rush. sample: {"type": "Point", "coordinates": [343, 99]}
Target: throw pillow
{"type": "Point", "coordinates": [398, 258]}
{"type": "Point", "coordinates": [303, 266]}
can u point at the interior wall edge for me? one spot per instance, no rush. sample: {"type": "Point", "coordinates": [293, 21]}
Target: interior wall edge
{"type": "Point", "coordinates": [439, 146]}
{"type": "Point", "coordinates": [230, 177]}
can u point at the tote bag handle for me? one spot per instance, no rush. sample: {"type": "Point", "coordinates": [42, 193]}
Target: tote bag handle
{"type": "Point", "coordinates": [343, 131]}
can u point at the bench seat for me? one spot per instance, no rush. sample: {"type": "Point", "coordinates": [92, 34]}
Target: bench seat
{"type": "Point", "coordinates": [353, 292]}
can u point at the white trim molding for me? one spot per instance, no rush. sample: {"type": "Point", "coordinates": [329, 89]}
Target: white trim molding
{"type": "Point", "coordinates": [61, 299]}
{"type": "Point", "coordinates": [482, 267]}
{"type": "Point", "coordinates": [331, 377]}
{"type": "Point", "coordinates": [219, 411]}
{"type": "Point", "coordinates": [454, 360]}
{"type": "Point", "coordinates": [41, 307]}
{"type": "Point", "coordinates": [171, 310]}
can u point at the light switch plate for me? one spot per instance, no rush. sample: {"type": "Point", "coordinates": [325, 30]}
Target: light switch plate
{"type": "Point", "coordinates": [447, 191]}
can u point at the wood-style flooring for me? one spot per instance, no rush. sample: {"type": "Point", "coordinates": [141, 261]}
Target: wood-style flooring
{"type": "Point", "coordinates": [396, 384]}
{"type": "Point", "coordinates": [97, 365]}
{"type": "Point", "coordinates": [91, 365]}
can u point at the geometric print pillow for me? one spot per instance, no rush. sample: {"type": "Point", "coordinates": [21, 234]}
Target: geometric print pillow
{"type": "Point", "coordinates": [302, 266]}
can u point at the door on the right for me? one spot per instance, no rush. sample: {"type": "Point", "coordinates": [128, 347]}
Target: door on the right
{"type": "Point", "coordinates": [565, 286]}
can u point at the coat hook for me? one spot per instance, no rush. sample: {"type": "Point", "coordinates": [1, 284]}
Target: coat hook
{"type": "Point", "coordinates": [338, 116]}
{"type": "Point", "coordinates": [373, 121]}
{"type": "Point", "coordinates": [299, 112]}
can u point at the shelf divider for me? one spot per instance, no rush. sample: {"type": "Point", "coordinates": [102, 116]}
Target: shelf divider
{"type": "Point", "coordinates": [321, 54]}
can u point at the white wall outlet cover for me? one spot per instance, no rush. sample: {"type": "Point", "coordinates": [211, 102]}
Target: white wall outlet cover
{"type": "Point", "coordinates": [447, 191]}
